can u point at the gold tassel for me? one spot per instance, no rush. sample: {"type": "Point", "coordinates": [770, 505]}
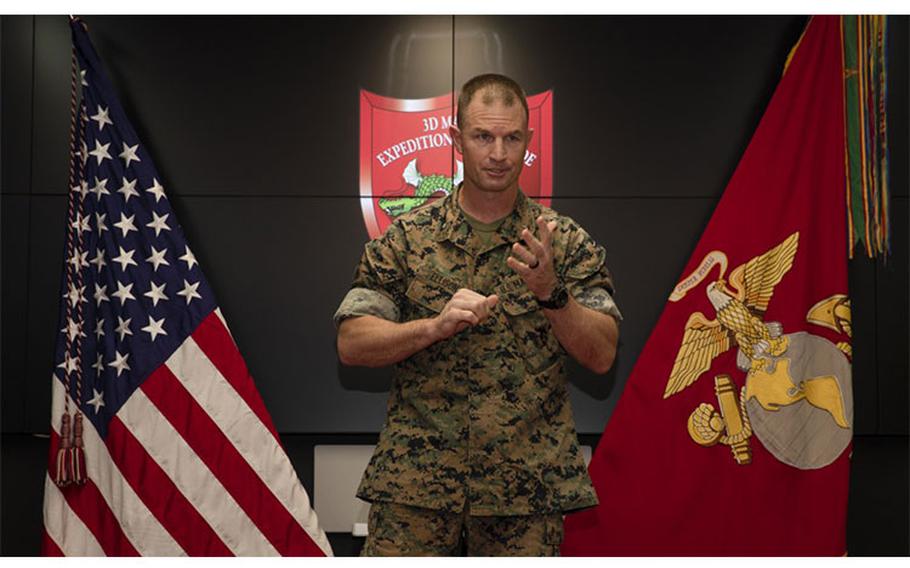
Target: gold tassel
{"type": "Point", "coordinates": [79, 476]}
{"type": "Point", "coordinates": [62, 471]}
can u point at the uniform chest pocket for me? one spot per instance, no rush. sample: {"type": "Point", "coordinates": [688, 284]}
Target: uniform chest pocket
{"type": "Point", "coordinates": [530, 329]}
{"type": "Point", "coordinates": [429, 292]}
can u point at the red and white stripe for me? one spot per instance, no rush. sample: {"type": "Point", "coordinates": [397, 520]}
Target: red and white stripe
{"type": "Point", "coordinates": [192, 465]}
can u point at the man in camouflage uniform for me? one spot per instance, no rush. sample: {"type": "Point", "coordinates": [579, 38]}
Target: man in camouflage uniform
{"type": "Point", "coordinates": [476, 299]}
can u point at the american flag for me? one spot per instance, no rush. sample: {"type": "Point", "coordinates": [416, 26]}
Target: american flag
{"type": "Point", "coordinates": [180, 454]}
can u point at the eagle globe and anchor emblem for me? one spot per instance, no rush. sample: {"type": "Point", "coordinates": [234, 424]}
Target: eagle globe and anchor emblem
{"type": "Point", "coordinates": [407, 158]}
{"type": "Point", "coordinates": [797, 396]}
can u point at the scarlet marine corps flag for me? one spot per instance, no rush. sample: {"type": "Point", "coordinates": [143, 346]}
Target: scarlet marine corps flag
{"type": "Point", "coordinates": [733, 434]}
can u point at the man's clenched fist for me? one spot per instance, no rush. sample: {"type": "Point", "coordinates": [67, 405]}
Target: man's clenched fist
{"type": "Point", "coordinates": [465, 308]}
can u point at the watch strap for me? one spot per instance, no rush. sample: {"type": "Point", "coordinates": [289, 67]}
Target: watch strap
{"type": "Point", "coordinates": [558, 299]}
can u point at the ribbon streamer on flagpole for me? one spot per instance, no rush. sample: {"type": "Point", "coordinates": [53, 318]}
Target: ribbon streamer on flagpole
{"type": "Point", "coordinates": [865, 103]}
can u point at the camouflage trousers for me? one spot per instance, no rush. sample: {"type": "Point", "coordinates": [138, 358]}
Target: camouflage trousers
{"type": "Point", "coordinates": [404, 530]}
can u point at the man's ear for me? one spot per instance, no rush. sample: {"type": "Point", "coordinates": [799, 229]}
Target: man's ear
{"type": "Point", "coordinates": [456, 138]}
{"type": "Point", "coordinates": [530, 135]}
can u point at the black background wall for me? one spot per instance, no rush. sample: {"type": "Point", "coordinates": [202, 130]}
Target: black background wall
{"type": "Point", "coordinates": [253, 122]}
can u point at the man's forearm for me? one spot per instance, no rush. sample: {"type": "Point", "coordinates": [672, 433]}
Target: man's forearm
{"type": "Point", "coordinates": [589, 336]}
{"type": "Point", "coordinates": [369, 341]}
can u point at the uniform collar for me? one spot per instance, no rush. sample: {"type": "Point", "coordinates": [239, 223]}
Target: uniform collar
{"type": "Point", "coordinates": [456, 228]}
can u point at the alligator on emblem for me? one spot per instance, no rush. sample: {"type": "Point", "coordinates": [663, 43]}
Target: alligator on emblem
{"type": "Point", "coordinates": [425, 186]}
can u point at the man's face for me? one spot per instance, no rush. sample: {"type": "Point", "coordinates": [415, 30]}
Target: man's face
{"type": "Point", "coordinates": [492, 142]}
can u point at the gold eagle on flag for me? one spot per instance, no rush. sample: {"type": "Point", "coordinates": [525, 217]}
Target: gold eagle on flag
{"type": "Point", "coordinates": [739, 310]}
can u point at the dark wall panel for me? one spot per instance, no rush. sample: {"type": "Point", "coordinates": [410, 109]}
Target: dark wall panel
{"type": "Point", "coordinates": [645, 106]}
{"type": "Point", "coordinates": [51, 123]}
{"type": "Point", "coordinates": [14, 299]}
{"type": "Point", "coordinates": [24, 460]}
{"type": "Point", "coordinates": [866, 384]}
{"type": "Point", "coordinates": [16, 35]}
{"type": "Point", "coordinates": [263, 105]}
{"type": "Point", "coordinates": [893, 284]}
{"type": "Point", "coordinates": [877, 519]}
{"type": "Point", "coordinates": [46, 231]}
{"type": "Point", "coordinates": [898, 107]}
{"type": "Point", "coordinates": [893, 308]}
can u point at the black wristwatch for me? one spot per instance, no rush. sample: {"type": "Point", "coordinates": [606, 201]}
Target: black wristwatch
{"type": "Point", "coordinates": [559, 297]}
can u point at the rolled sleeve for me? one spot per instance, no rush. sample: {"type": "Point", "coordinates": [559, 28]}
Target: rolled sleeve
{"type": "Point", "coordinates": [586, 274]}
{"type": "Point", "coordinates": [366, 302]}
{"type": "Point", "coordinates": [377, 288]}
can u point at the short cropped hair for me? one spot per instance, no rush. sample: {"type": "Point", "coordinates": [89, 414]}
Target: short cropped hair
{"type": "Point", "coordinates": [501, 88]}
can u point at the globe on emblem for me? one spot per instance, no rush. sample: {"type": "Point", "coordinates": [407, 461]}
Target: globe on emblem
{"type": "Point", "coordinates": [800, 403]}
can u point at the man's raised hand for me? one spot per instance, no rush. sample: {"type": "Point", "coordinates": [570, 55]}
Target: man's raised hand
{"type": "Point", "coordinates": [534, 262]}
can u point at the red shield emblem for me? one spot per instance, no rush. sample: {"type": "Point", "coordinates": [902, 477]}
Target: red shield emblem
{"type": "Point", "coordinates": [406, 154]}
